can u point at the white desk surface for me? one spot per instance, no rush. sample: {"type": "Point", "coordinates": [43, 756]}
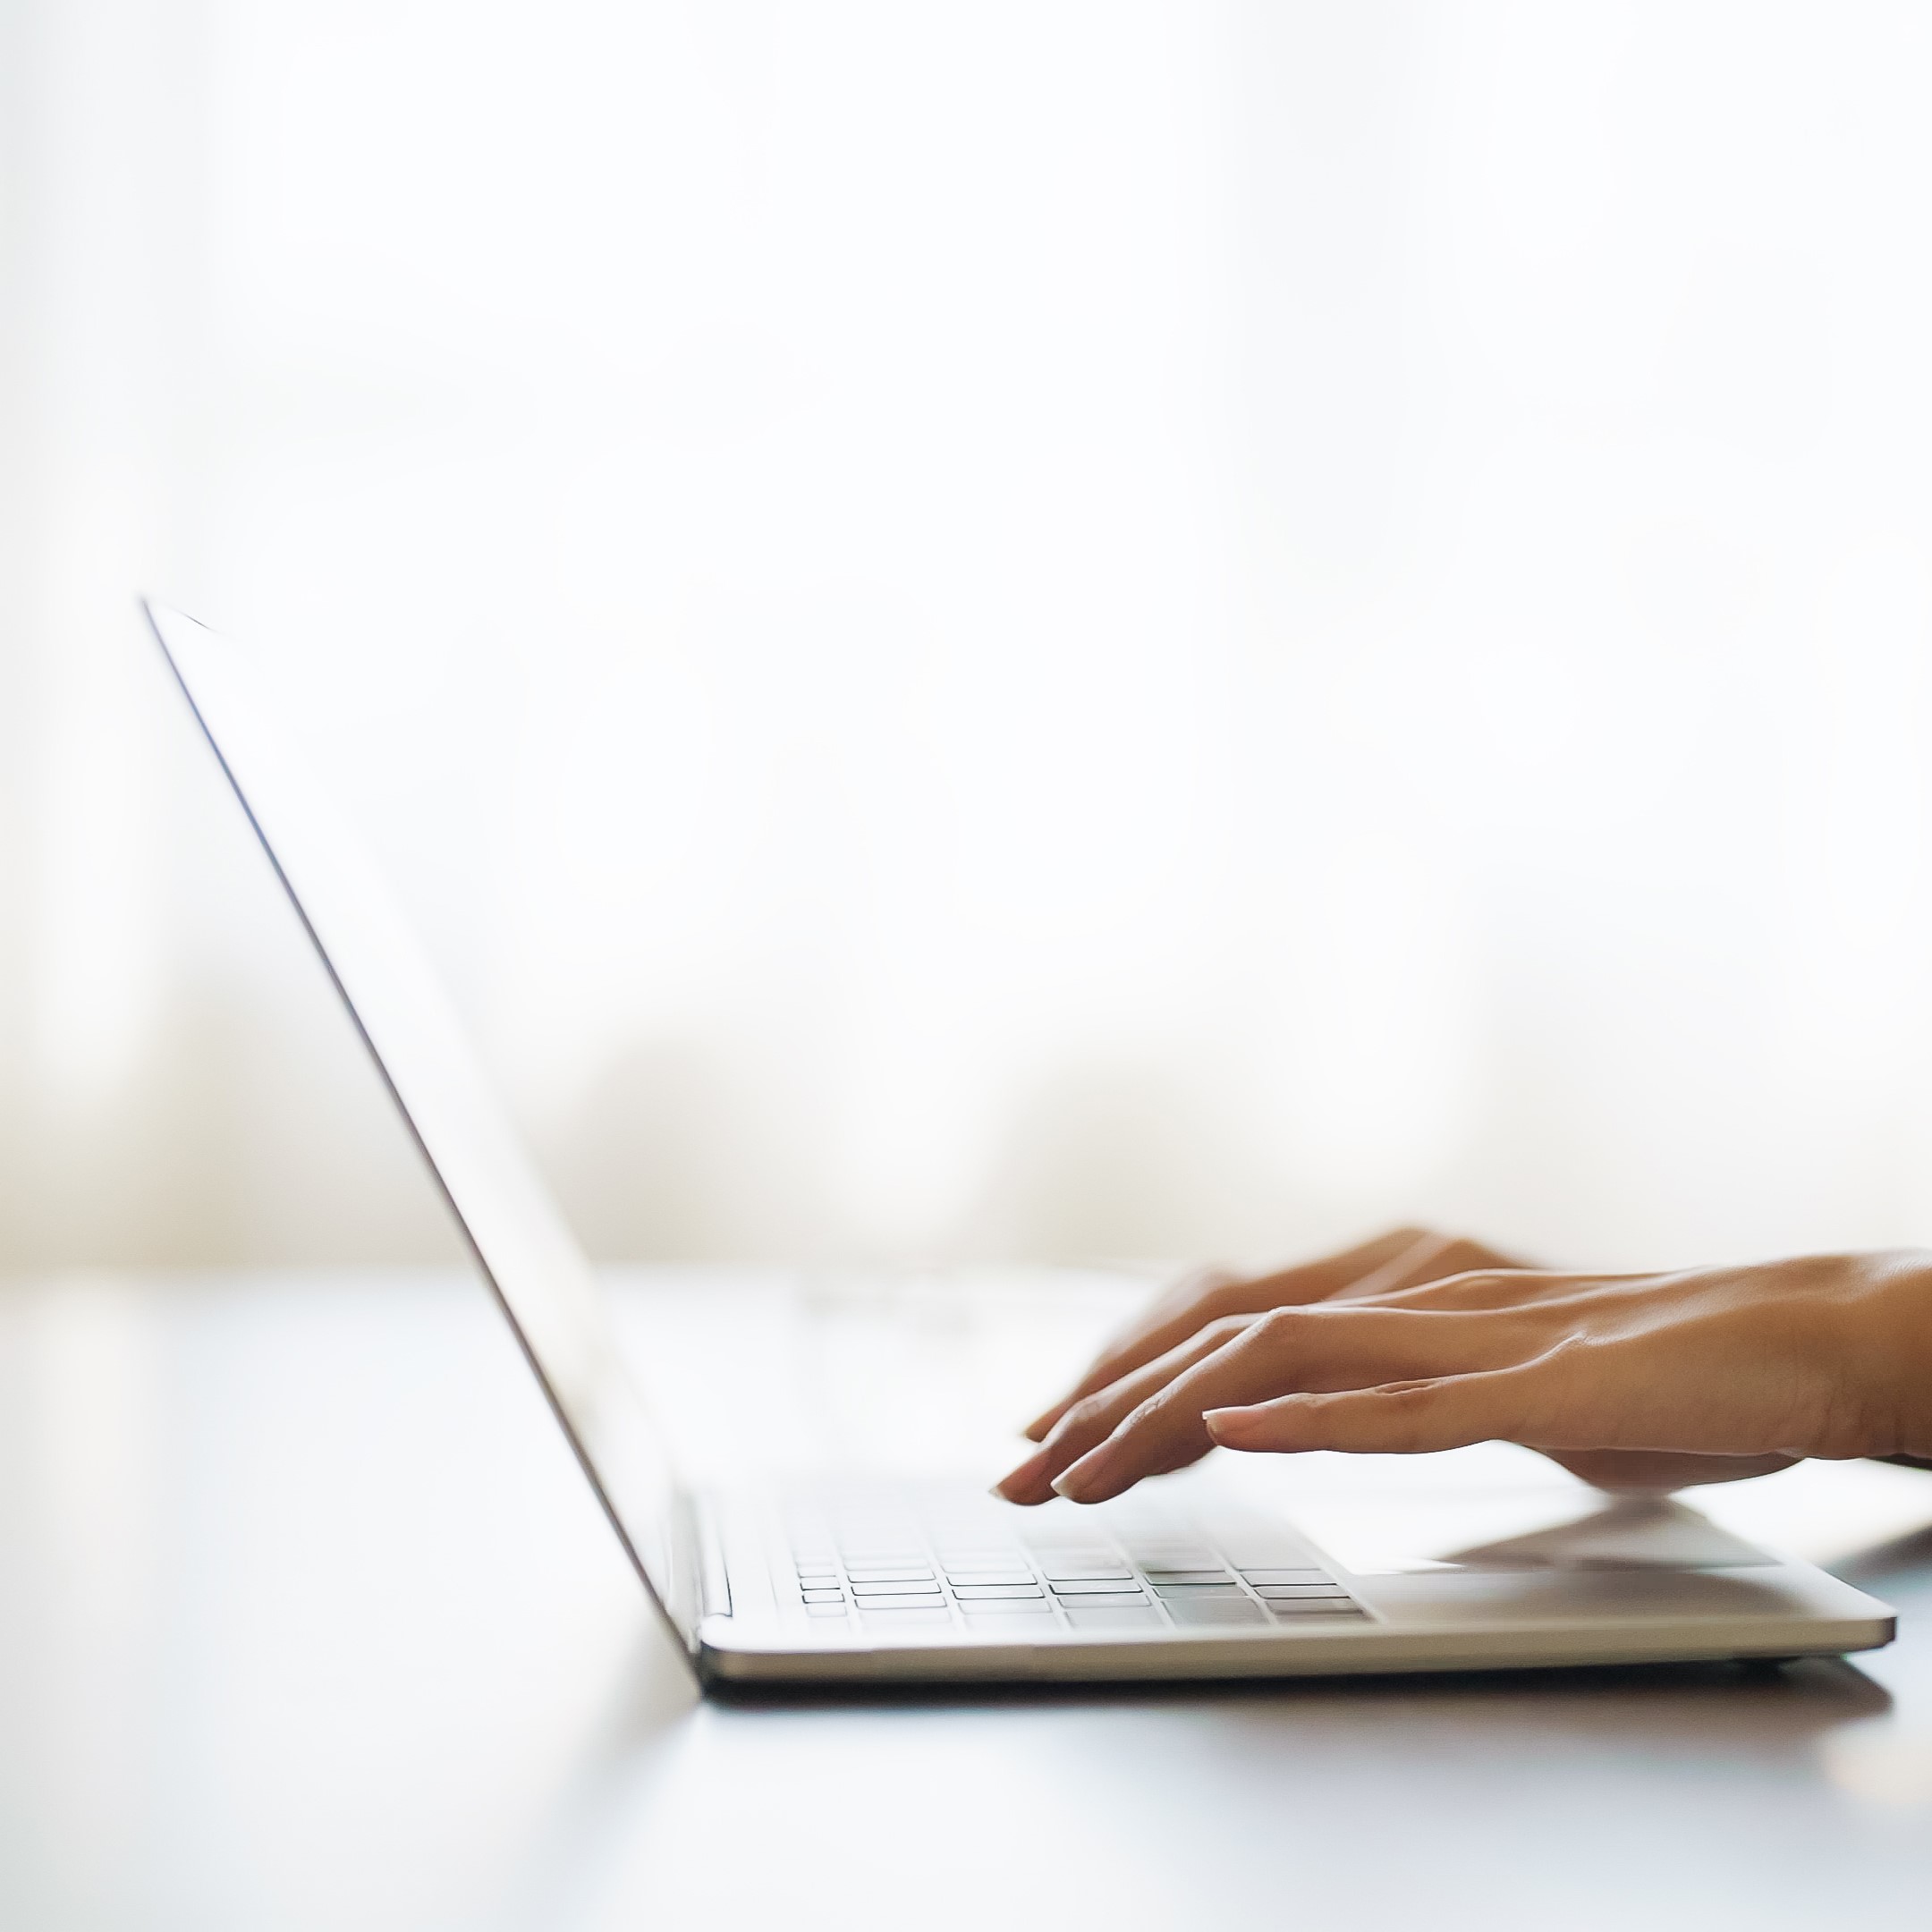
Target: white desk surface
{"type": "Point", "coordinates": [308, 1620]}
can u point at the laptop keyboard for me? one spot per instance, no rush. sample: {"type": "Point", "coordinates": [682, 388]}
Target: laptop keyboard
{"type": "Point", "coordinates": [905, 1575]}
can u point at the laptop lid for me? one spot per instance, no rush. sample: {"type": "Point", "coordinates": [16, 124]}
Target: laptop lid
{"type": "Point", "coordinates": [527, 1254]}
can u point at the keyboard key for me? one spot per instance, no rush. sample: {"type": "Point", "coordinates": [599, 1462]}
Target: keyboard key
{"type": "Point", "coordinates": [825, 1609]}
{"type": "Point", "coordinates": [1188, 1612]}
{"type": "Point", "coordinates": [878, 1597]}
{"type": "Point", "coordinates": [1088, 1573]}
{"type": "Point", "coordinates": [1258, 1577]}
{"type": "Point", "coordinates": [823, 1596]}
{"type": "Point", "coordinates": [988, 1579]}
{"type": "Point", "coordinates": [907, 1573]}
{"type": "Point", "coordinates": [1190, 1576]}
{"type": "Point", "coordinates": [874, 1619]}
{"type": "Point", "coordinates": [1092, 1618]}
{"type": "Point", "coordinates": [1289, 1592]}
{"type": "Point", "coordinates": [1303, 1607]}
{"type": "Point", "coordinates": [996, 1592]}
{"type": "Point", "coordinates": [1198, 1592]}
{"type": "Point", "coordinates": [1100, 1593]}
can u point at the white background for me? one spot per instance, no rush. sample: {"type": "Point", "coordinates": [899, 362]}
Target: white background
{"type": "Point", "coordinates": [1032, 629]}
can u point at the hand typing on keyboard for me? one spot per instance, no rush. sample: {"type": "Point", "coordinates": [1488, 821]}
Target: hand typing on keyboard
{"type": "Point", "coordinates": [1416, 1342]}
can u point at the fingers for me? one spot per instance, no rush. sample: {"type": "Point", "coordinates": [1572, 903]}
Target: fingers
{"type": "Point", "coordinates": [1325, 1347]}
{"type": "Point", "coordinates": [1090, 1421]}
{"type": "Point", "coordinates": [1432, 1258]}
{"type": "Point", "coordinates": [1488, 1288]}
{"type": "Point", "coordinates": [1150, 1421]}
{"type": "Point", "coordinates": [1196, 1299]}
{"type": "Point", "coordinates": [1211, 1295]}
{"type": "Point", "coordinates": [1410, 1417]}
{"type": "Point", "coordinates": [1531, 1403]}
{"type": "Point", "coordinates": [1636, 1381]}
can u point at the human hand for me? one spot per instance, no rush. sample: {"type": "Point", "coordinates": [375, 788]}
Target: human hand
{"type": "Point", "coordinates": [1403, 1259]}
{"type": "Point", "coordinates": [1206, 1308]}
{"type": "Point", "coordinates": [1630, 1381]}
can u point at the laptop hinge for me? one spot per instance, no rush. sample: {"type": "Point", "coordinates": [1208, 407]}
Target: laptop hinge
{"type": "Point", "coordinates": [714, 1574]}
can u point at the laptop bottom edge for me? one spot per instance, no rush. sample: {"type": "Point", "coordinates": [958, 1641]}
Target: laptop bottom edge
{"type": "Point", "coordinates": [1384, 1651]}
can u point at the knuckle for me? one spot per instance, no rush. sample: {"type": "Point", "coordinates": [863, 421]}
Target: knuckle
{"type": "Point", "coordinates": [1470, 1285]}
{"type": "Point", "coordinates": [1278, 1324]}
{"type": "Point", "coordinates": [1083, 1417]}
{"type": "Point", "coordinates": [1406, 1398]}
{"type": "Point", "coordinates": [1157, 1408]}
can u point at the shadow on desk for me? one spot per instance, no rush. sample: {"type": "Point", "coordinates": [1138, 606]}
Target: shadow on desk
{"type": "Point", "coordinates": [1906, 1559]}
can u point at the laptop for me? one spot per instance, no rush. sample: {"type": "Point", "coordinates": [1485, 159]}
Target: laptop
{"type": "Point", "coordinates": [1187, 1576]}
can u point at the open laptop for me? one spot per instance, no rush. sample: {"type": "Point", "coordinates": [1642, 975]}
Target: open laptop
{"type": "Point", "coordinates": [927, 1581]}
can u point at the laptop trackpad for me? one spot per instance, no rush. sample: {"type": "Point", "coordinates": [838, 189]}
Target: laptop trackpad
{"type": "Point", "coordinates": [1523, 1531]}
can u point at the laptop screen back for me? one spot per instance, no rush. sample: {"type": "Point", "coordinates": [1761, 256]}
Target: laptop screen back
{"type": "Point", "coordinates": [527, 1254]}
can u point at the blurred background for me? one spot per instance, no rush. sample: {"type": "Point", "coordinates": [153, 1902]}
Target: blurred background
{"type": "Point", "coordinates": [1047, 630]}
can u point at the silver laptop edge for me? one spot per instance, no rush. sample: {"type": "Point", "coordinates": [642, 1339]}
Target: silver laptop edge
{"type": "Point", "coordinates": [525, 1252]}
{"type": "Point", "coordinates": [727, 1575]}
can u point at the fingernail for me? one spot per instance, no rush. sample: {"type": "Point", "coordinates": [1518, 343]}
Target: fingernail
{"type": "Point", "coordinates": [1025, 1484]}
{"type": "Point", "coordinates": [1080, 1483]}
{"type": "Point", "coordinates": [1226, 1421]}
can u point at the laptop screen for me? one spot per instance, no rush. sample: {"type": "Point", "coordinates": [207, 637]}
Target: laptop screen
{"type": "Point", "coordinates": [525, 1251]}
